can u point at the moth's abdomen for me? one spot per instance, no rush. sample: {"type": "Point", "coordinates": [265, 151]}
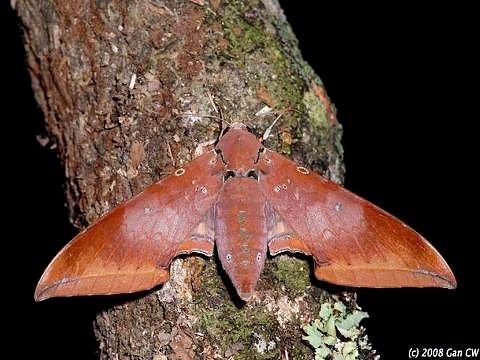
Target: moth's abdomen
{"type": "Point", "coordinates": [241, 233]}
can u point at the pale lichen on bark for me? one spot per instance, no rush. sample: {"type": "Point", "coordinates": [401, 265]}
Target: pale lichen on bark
{"type": "Point", "coordinates": [123, 86]}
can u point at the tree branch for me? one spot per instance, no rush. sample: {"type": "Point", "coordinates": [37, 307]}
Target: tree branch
{"type": "Point", "coordinates": [132, 90]}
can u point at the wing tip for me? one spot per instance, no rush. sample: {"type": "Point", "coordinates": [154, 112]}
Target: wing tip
{"type": "Point", "coordinates": [42, 293]}
{"type": "Point", "coordinates": [39, 296]}
{"type": "Point", "coordinates": [449, 280]}
{"type": "Point", "coordinates": [451, 286]}
{"type": "Point", "coordinates": [453, 283]}
{"type": "Point", "coordinates": [42, 289]}
{"type": "Point", "coordinates": [443, 278]}
{"type": "Point", "coordinates": [45, 291]}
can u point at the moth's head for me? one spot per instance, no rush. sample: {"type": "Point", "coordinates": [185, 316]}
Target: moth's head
{"type": "Point", "coordinates": [239, 148]}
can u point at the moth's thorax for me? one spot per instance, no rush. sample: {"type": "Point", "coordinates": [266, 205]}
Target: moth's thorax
{"type": "Point", "coordinates": [239, 149]}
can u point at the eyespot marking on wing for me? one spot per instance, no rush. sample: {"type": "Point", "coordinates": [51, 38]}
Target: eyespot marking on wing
{"type": "Point", "coordinates": [303, 170]}
{"type": "Point", "coordinates": [179, 172]}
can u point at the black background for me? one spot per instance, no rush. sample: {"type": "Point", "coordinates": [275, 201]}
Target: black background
{"type": "Point", "coordinates": [403, 82]}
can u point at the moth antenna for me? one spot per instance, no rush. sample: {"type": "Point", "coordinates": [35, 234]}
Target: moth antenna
{"type": "Point", "coordinates": [212, 102]}
{"type": "Point", "coordinates": [267, 132]}
{"type": "Point", "coordinates": [223, 128]}
{"type": "Point", "coordinates": [169, 152]}
{"type": "Point", "coordinates": [223, 120]}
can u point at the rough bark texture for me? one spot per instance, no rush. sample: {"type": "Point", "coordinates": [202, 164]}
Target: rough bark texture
{"type": "Point", "coordinates": [122, 85]}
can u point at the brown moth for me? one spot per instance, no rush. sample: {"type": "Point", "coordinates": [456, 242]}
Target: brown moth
{"type": "Point", "coordinates": [244, 199]}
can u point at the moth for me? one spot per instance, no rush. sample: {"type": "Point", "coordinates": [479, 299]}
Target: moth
{"type": "Point", "coordinates": [244, 199]}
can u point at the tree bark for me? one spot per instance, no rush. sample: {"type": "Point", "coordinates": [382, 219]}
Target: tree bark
{"type": "Point", "coordinates": [131, 90]}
